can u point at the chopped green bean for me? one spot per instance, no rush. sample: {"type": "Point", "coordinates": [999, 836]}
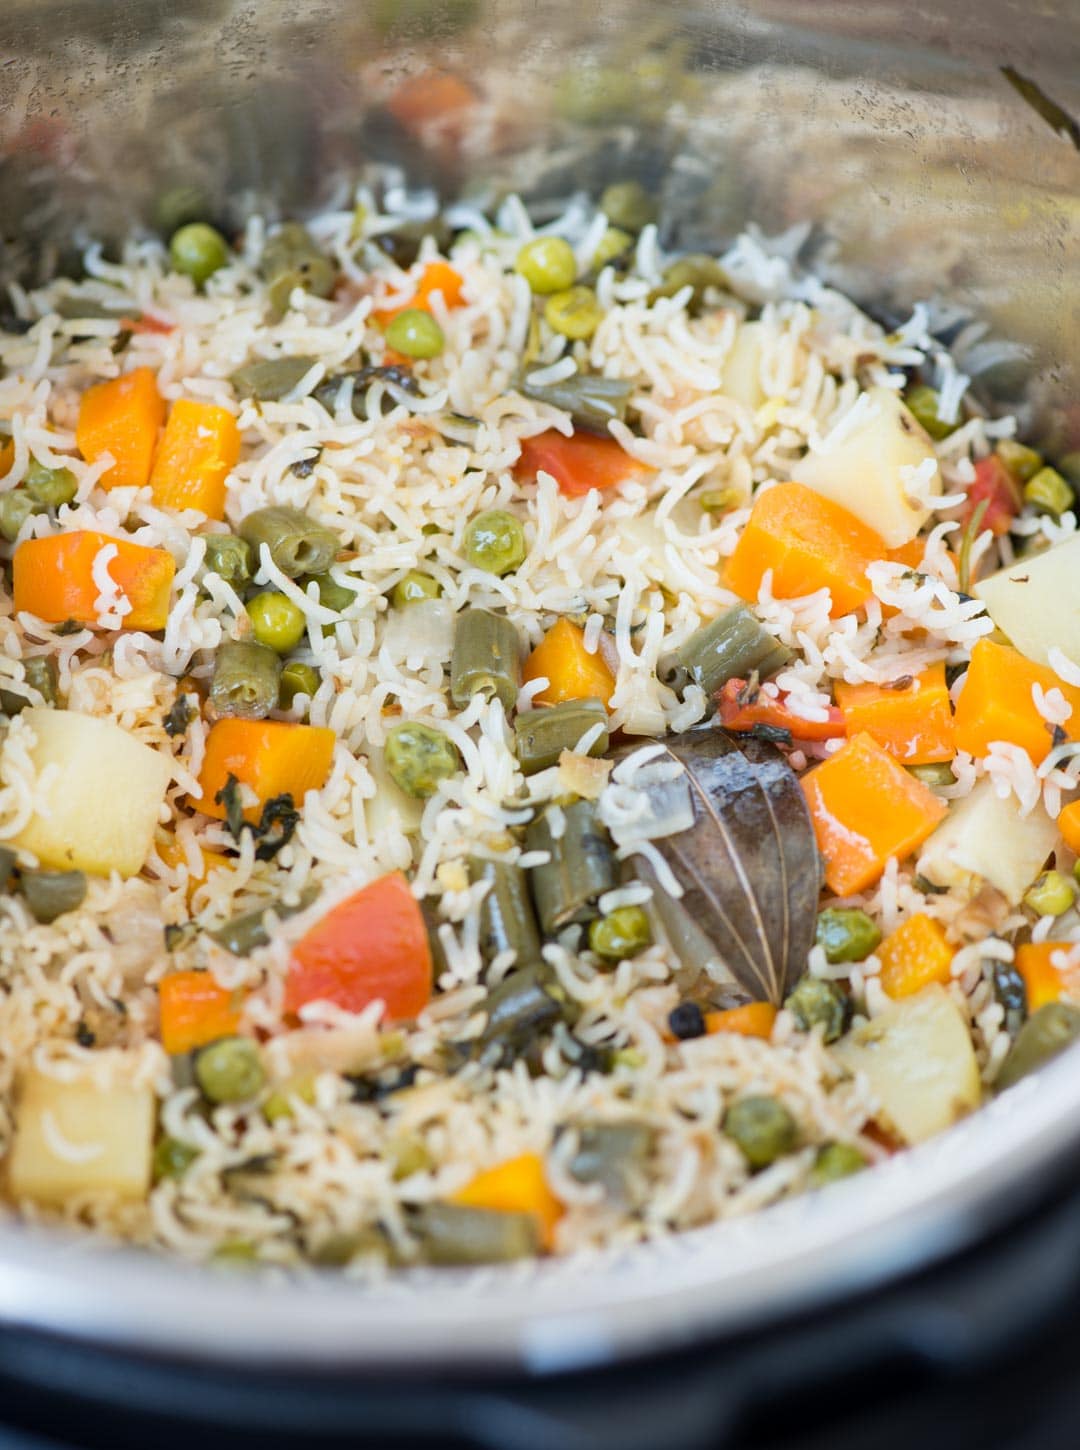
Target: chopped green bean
{"type": "Point", "coordinates": [833, 1162]}
{"type": "Point", "coordinates": [418, 757]}
{"type": "Point", "coordinates": [936, 776]}
{"type": "Point", "coordinates": [246, 680]}
{"type": "Point", "coordinates": [495, 541]}
{"type": "Point", "coordinates": [49, 487]}
{"type": "Point", "coordinates": [581, 865]}
{"type": "Point", "coordinates": [575, 313]}
{"type": "Point", "coordinates": [1022, 462]}
{"type": "Point", "coordinates": [628, 205]}
{"type": "Point", "coordinates": [269, 378]}
{"type": "Point", "coordinates": [297, 543]}
{"type": "Point", "coordinates": [290, 259]}
{"type": "Point", "coordinates": [1046, 1033]}
{"type": "Point", "coordinates": [486, 658]}
{"type": "Point", "coordinates": [846, 934]}
{"type": "Point", "coordinates": [16, 506]}
{"type": "Point", "coordinates": [452, 1233]}
{"type": "Point", "coordinates": [622, 934]}
{"type": "Point", "coordinates": [1049, 493]}
{"type": "Point", "coordinates": [229, 557]}
{"type": "Point", "coordinates": [548, 264]}
{"type": "Point", "coordinates": [415, 333]}
{"type": "Point", "coordinates": [8, 860]}
{"type": "Point", "coordinates": [50, 894]}
{"type": "Point", "coordinates": [246, 932]}
{"type": "Point", "coordinates": [413, 588]}
{"type": "Point", "coordinates": [1051, 895]}
{"type": "Point", "coordinates": [762, 1128]}
{"type": "Point", "coordinates": [817, 1003]}
{"type": "Point", "coordinates": [297, 678]}
{"type": "Point", "coordinates": [541, 735]}
{"type": "Point", "coordinates": [229, 1070]}
{"type": "Point", "coordinates": [614, 1155]}
{"type": "Point", "coordinates": [591, 401]}
{"type": "Point", "coordinates": [735, 645]}
{"type": "Point", "coordinates": [276, 621]}
{"type": "Point", "coordinates": [40, 672]}
{"type": "Point", "coordinates": [519, 1010]}
{"type": "Point", "coordinates": [172, 1158]}
{"type": "Point", "coordinates": [922, 402]}
{"type": "Point", "coordinates": [698, 272]}
{"type": "Point", "coordinates": [507, 919]}
{"type": "Point", "coordinates": [198, 251]}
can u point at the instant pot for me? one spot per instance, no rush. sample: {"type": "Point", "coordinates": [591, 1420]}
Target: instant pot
{"type": "Point", "coordinates": [905, 151]}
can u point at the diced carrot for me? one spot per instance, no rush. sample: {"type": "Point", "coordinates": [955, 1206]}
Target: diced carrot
{"type": "Point", "coordinates": [578, 463]}
{"type": "Point", "coordinates": [173, 855]}
{"type": "Point", "coordinates": [774, 711]}
{"type": "Point", "coordinates": [809, 543]}
{"type": "Point", "coordinates": [273, 757]}
{"type": "Point", "coordinates": [915, 955]}
{"type": "Point", "coordinates": [755, 1019]}
{"type": "Point", "coordinates": [915, 724]}
{"type": "Point", "coordinates": [54, 578]}
{"type": "Point", "coordinates": [997, 702]}
{"type": "Point", "coordinates": [373, 946]}
{"type": "Point", "coordinates": [199, 447]}
{"type": "Point", "coordinates": [1068, 823]}
{"type": "Point", "coordinates": [1045, 982]}
{"type": "Point", "coordinates": [7, 457]}
{"type": "Point", "coordinates": [438, 276]}
{"type": "Point", "coordinates": [572, 673]}
{"type": "Point", "coordinates": [148, 323]}
{"type": "Point", "coordinates": [994, 484]}
{"type": "Point", "coordinates": [122, 417]}
{"type": "Point", "coordinates": [866, 808]}
{"type": "Point", "coordinates": [516, 1186]}
{"type": "Point", "coordinates": [432, 98]}
{"type": "Point", "coordinates": [195, 1010]}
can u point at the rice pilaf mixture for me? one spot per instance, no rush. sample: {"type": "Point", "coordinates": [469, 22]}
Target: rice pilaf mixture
{"type": "Point", "coordinates": [355, 631]}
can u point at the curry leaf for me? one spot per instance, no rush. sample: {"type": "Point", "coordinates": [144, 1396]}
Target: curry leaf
{"type": "Point", "coordinates": [749, 866]}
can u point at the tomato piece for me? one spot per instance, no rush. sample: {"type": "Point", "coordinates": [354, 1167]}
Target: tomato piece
{"type": "Point", "coordinates": [577, 463]}
{"type": "Point", "coordinates": [996, 485]}
{"type": "Point", "coordinates": [759, 709]}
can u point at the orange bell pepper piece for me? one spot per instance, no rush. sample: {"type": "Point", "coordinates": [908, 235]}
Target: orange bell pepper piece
{"type": "Point", "coordinates": [173, 855]}
{"type": "Point", "coordinates": [1045, 982]}
{"type": "Point", "coordinates": [577, 463]}
{"type": "Point", "coordinates": [54, 578]}
{"type": "Point", "coordinates": [915, 955]}
{"type": "Point", "coordinates": [273, 757]}
{"type": "Point", "coordinates": [755, 1019]}
{"type": "Point", "coordinates": [122, 417]}
{"type": "Point", "coordinates": [1068, 823]}
{"type": "Point", "coordinates": [437, 276]}
{"type": "Point", "coordinates": [865, 808]}
{"type": "Point", "coordinates": [773, 710]}
{"type": "Point", "coordinates": [373, 946]}
{"type": "Point", "coordinates": [572, 673]}
{"type": "Point", "coordinates": [517, 1186]}
{"type": "Point", "coordinates": [809, 543]}
{"type": "Point", "coordinates": [194, 1011]}
{"type": "Point", "coordinates": [996, 702]}
{"type": "Point", "coordinates": [915, 724]}
{"type": "Point", "coordinates": [199, 447]}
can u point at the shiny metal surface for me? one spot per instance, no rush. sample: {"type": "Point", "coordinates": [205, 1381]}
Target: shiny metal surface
{"type": "Point", "coordinates": [887, 126]}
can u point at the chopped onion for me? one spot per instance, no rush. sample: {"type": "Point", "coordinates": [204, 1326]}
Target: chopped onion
{"type": "Point", "coordinates": [421, 633]}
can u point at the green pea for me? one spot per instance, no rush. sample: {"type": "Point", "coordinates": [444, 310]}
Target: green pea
{"type": "Point", "coordinates": [623, 933]}
{"type": "Point", "coordinates": [922, 403]}
{"type": "Point", "coordinates": [276, 621]}
{"type": "Point", "coordinates": [296, 679]}
{"type": "Point", "coordinates": [816, 1003]}
{"type": "Point", "coordinates": [413, 588]}
{"type": "Point", "coordinates": [721, 500]}
{"type": "Point", "coordinates": [628, 205]}
{"type": "Point", "coordinates": [229, 1070]}
{"type": "Point", "coordinates": [762, 1128]}
{"type": "Point", "coordinates": [16, 506]}
{"type": "Point", "coordinates": [615, 243]}
{"type": "Point", "coordinates": [332, 595]}
{"type": "Point", "coordinates": [833, 1162]}
{"type": "Point", "coordinates": [846, 934]}
{"type": "Point", "coordinates": [415, 333]}
{"type": "Point", "coordinates": [1051, 895]}
{"type": "Point", "coordinates": [495, 541]}
{"type": "Point", "coordinates": [50, 486]}
{"type": "Point", "coordinates": [280, 1102]}
{"type": "Point", "coordinates": [229, 557]}
{"type": "Point", "coordinates": [1049, 493]}
{"type": "Point", "coordinates": [575, 313]}
{"type": "Point", "coordinates": [418, 757]}
{"type": "Point", "coordinates": [50, 894]}
{"type": "Point", "coordinates": [548, 264]}
{"type": "Point", "coordinates": [172, 1159]}
{"type": "Point", "coordinates": [198, 251]}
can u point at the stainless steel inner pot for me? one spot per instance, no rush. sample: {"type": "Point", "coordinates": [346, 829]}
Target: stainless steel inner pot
{"type": "Point", "coordinates": [891, 130]}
